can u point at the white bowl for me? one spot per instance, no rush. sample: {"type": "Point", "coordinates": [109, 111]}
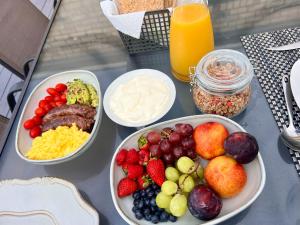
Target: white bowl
{"type": "Point", "coordinates": [23, 141]}
{"type": "Point", "coordinates": [128, 76]}
{"type": "Point", "coordinates": [255, 172]}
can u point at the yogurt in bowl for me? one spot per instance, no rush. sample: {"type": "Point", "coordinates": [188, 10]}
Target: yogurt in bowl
{"type": "Point", "coordinates": [139, 97]}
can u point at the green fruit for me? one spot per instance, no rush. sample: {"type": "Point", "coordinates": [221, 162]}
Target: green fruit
{"type": "Point", "coordinates": [163, 200]}
{"type": "Point", "coordinates": [185, 164]}
{"type": "Point", "coordinates": [169, 187]}
{"type": "Point", "coordinates": [186, 183]}
{"type": "Point", "coordinates": [172, 174]}
{"type": "Point", "coordinates": [178, 205]}
{"type": "Point", "coordinates": [199, 173]}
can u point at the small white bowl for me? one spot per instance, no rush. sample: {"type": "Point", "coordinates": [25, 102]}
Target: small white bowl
{"type": "Point", "coordinates": [23, 141]}
{"type": "Point", "coordinates": [256, 176]}
{"type": "Point", "coordinates": [128, 76]}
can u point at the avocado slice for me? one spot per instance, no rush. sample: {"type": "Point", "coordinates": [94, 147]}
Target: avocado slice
{"type": "Point", "coordinates": [78, 93]}
{"type": "Point", "coordinates": [93, 95]}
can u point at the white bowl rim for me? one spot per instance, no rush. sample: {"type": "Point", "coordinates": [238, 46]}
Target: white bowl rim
{"type": "Point", "coordinates": [132, 74]}
{"type": "Point", "coordinates": [216, 220]}
{"type": "Point", "coordinates": [92, 134]}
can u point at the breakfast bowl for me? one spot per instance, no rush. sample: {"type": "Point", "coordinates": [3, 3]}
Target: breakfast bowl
{"type": "Point", "coordinates": [254, 185]}
{"type": "Point", "coordinates": [23, 141]}
{"type": "Point", "coordinates": [128, 99]}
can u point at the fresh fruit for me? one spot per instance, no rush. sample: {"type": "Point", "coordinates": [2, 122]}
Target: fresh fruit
{"type": "Point", "coordinates": [143, 181]}
{"type": "Point", "coordinates": [144, 156]}
{"type": "Point", "coordinates": [174, 138]}
{"type": "Point", "coordinates": [178, 205]}
{"type": "Point", "coordinates": [153, 137]}
{"type": "Point", "coordinates": [209, 138]}
{"type": "Point", "coordinates": [166, 132]}
{"type": "Point", "coordinates": [199, 173]}
{"type": "Point", "coordinates": [59, 103]}
{"type": "Point", "coordinates": [143, 143]}
{"type": "Point", "coordinates": [191, 153]}
{"type": "Point", "coordinates": [60, 87]}
{"type": "Point", "coordinates": [134, 171]}
{"type": "Point", "coordinates": [184, 129]}
{"type": "Point", "coordinates": [241, 146]}
{"type": "Point", "coordinates": [178, 152]}
{"type": "Point", "coordinates": [186, 183]}
{"type": "Point", "coordinates": [63, 98]}
{"type": "Point", "coordinates": [168, 158]}
{"type": "Point", "coordinates": [225, 176]}
{"type": "Point", "coordinates": [37, 120]}
{"type": "Point", "coordinates": [172, 174]}
{"type": "Point", "coordinates": [35, 131]}
{"type": "Point", "coordinates": [132, 156]}
{"type": "Point", "coordinates": [156, 171]}
{"type": "Point", "coordinates": [49, 98]}
{"type": "Point", "coordinates": [125, 167]}
{"type": "Point", "coordinates": [126, 187]}
{"type": "Point", "coordinates": [185, 164]}
{"type": "Point", "coordinates": [42, 103]}
{"type": "Point", "coordinates": [163, 200]}
{"type": "Point", "coordinates": [169, 187]}
{"type": "Point", "coordinates": [165, 146]}
{"type": "Point", "coordinates": [155, 151]}
{"type": "Point", "coordinates": [57, 98]}
{"type": "Point", "coordinates": [40, 112]}
{"type": "Point", "coordinates": [203, 203]}
{"type": "Point", "coordinates": [29, 124]}
{"type": "Point", "coordinates": [188, 143]}
{"type": "Point", "coordinates": [121, 156]}
{"type": "Point", "coordinates": [52, 91]}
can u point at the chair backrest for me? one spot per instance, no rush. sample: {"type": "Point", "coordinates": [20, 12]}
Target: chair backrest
{"type": "Point", "coordinates": [22, 27]}
{"type": "Point", "coordinates": [3, 125]}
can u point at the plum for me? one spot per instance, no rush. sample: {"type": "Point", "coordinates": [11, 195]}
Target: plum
{"type": "Point", "coordinates": [204, 203]}
{"type": "Point", "coordinates": [241, 146]}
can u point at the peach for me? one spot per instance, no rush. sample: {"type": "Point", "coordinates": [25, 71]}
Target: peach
{"type": "Point", "coordinates": [209, 138]}
{"type": "Point", "coordinates": [225, 176]}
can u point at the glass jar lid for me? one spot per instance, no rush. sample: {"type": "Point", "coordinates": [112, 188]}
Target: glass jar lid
{"type": "Point", "coordinates": [224, 71]}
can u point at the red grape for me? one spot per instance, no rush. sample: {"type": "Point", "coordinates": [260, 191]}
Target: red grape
{"type": "Point", "coordinates": [178, 152]}
{"type": "Point", "coordinates": [168, 158]}
{"type": "Point", "coordinates": [155, 151]}
{"type": "Point", "coordinates": [165, 146]}
{"type": "Point", "coordinates": [165, 133]}
{"type": "Point", "coordinates": [188, 143]}
{"type": "Point", "coordinates": [174, 138]}
{"type": "Point", "coordinates": [184, 129]}
{"type": "Point", "coordinates": [153, 137]}
{"type": "Point", "coordinates": [191, 153]}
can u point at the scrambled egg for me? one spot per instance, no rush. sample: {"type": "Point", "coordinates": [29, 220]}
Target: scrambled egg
{"type": "Point", "coordinates": [57, 143]}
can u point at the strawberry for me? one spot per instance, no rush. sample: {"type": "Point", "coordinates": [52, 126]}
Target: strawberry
{"type": "Point", "coordinates": [125, 167]}
{"type": "Point", "coordinates": [143, 143]}
{"type": "Point", "coordinates": [143, 181]}
{"type": "Point", "coordinates": [144, 156]}
{"type": "Point", "coordinates": [132, 156]}
{"type": "Point", "coordinates": [126, 187]}
{"type": "Point", "coordinates": [121, 156]}
{"type": "Point", "coordinates": [134, 171]}
{"type": "Point", "coordinates": [156, 171]}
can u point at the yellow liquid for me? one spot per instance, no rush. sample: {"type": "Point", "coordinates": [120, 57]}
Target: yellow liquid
{"type": "Point", "coordinates": [191, 37]}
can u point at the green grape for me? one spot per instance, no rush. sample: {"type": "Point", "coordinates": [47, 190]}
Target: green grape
{"type": "Point", "coordinates": [185, 164]}
{"type": "Point", "coordinates": [168, 210]}
{"type": "Point", "coordinates": [172, 174]}
{"type": "Point", "coordinates": [169, 187]}
{"type": "Point", "coordinates": [163, 200]}
{"type": "Point", "coordinates": [186, 183]}
{"type": "Point", "coordinates": [199, 173]}
{"type": "Point", "coordinates": [178, 205]}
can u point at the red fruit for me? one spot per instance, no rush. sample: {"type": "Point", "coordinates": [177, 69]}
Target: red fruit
{"type": "Point", "coordinates": [29, 124]}
{"type": "Point", "coordinates": [42, 103]}
{"type": "Point", "coordinates": [156, 171]}
{"type": "Point", "coordinates": [63, 97]}
{"type": "Point", "coordinates": [49, 98]}
{"type": "Point", "coordinates": [60, 87]}
{"type": "Point", "coordinates": [37, 120]}
{"type": "Point", "coordinates": [126, 187]}
{"type": "Point", "coordinates": [59, 103]}
{"type": "Point", "coordinates": [135, 171]}
{"type": "Point", "coordinates": [132, 156]}
{"type": "Point", "coordinates": [143, 181]}
{"type": "Point", "coordinates": [52, 91]}
{"type": "Point", "coordinates": [143, 143]}
{"type": "Point", "coordinates": [47, 107]}
{"type": "Point", "coordinates": [153, 137]}
{"type": "Point", "coordinates": [121, 157]}
{"type": "Point", "coordinates": [125, 167]}
{"type": "Point", "coordinates": [144, 156]}
{"type": "Point", "coordinates": [52, 104]}
{"type": "Point", "coordinates": [34, 132]}
{"type": "Point", "coordinates": [40, 112]}
{"type": "Point", "coordinates": [57, 98]}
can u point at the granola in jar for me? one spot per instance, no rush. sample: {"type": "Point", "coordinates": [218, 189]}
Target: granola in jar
{"type": "Point", "coordinates": [221, 84]}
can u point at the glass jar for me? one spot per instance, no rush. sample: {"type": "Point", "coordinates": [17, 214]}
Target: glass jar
{"type": "Point", "coordinates": [221, 83]}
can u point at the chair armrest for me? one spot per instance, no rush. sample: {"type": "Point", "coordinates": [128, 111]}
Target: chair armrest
{"type": "Point", "coordinates": [11, 97]}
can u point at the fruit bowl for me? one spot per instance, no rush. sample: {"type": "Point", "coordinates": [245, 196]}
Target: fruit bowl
{"type": "Point", "coordinates": [255, 170]}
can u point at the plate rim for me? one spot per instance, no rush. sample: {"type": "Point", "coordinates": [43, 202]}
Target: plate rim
{"type": "Point", "coordinates": [83, 147]}
{"type": "Point", "coordinates": [216, 220]}
{"type": "Point", "coordinates": [133, 73]}
{"type": "Point", "coordinates": [293, 77]}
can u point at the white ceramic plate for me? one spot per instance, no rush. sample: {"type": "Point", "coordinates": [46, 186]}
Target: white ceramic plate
{"type": "Point", "coordinates": [47, 199]}
{"type": "Point", "coordinates": [295, 81]}
{"type": "Point", "coordinates": [128, 76]}
{"type": "Point", "coordinates": [23, 140]}
{"type": "Point", "coordinates": [254, 186]}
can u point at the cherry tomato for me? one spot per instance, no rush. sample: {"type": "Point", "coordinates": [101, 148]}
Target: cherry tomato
{"type": "Point", "coordinates": [47, 107]}
{"type": "Point", "coordinates": [52, 91]}
{"type": "Point", "coordinates": [52, 104]}
{"type": "Point", "coordinates": [40, 112]}
{"type": "Point", "coordinates": [57, 98]}
{"type": "Point", "coordinates": [60, 87]}
{"type": "Point", "coordinates": [49, 98]}
{"type": "Point", "coordinates": [36, 131]}
{"type": "Point", "coordinates": [28, 124]}
{"type": "Point", "coordinates": [63, 97]}
{"type": "Point", "coordinates": [37, 120]}
{"type": "Point", "coordinates": [42, 103]}
{"type": "Point", "coordinates": [59, 103]}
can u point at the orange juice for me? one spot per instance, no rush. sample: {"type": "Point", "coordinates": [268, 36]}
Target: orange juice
{"type": "Point", "coordinates": [191, 37]}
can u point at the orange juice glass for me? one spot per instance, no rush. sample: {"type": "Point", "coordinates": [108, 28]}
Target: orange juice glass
{"type": "Point", "coordinates": [191, 37]}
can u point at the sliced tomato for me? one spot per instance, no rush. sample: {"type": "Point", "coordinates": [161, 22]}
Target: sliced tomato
{"type": "Point", "coordinates": [52, 91]}
{"type": "Point", "coordinates": [28, 124]}
{"type": "Point", "coordinates": [61, 87]}
{"type": "Point", "coordinates": [37, 120]}
{"type": "Point", "coordinates": [49, 98]}
{"type": "Point", "coordinates": [59, 103]}
{"type": "Point", "coordinates": [36, 131]}
{"type": "Point", "coordinates": [40, 112]}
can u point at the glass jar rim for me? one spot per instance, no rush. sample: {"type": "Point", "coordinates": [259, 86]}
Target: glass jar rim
{"type": "Point", "coordinates": [231, 84]}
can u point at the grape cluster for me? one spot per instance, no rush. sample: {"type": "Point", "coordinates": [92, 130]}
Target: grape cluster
{"type": "Point", "coordinates": [145, 207]}
{"type": "Point", "coordinates": [174, 144]}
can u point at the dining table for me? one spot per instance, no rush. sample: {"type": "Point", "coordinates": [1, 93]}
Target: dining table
{"type": "Point", "coordinates": [278, 203]}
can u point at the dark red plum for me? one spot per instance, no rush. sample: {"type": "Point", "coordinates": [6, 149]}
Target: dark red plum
{"type": "Point", "coordinates": [241, 146]}
{"type": "Point", "coordinates": [204, 203]}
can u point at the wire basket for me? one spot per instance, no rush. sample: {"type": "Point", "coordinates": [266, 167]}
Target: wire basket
{"type": "Point", "coordinates": [154, 33]}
